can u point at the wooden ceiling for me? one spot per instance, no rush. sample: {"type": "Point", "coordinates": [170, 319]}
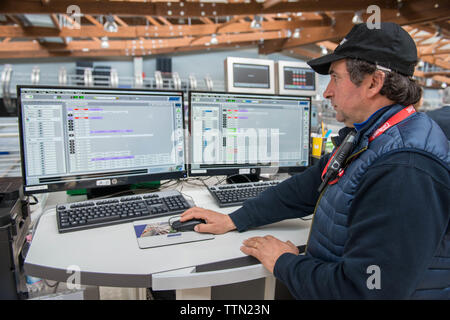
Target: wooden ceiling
{"type": "Point", "coordinates": [147, 27]}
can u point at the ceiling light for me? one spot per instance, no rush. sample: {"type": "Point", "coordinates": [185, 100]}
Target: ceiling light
{"type": "Point", "coordinates": [110, 25]}
{"type": "Point", "coordinates": [357, 18]}
{"type": "Point", "coordinates": [214, 39]}
{"type": "Point", "coordinates": [105, 43]}
{"type": "Point", "coordinates": [324, 50]}
{"type": "Point", "coordinates": [296, 34]}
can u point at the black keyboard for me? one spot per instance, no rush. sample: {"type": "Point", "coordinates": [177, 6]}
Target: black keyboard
{"type": "Point", "coordinates": [98, 213]}
{"type": "Point", "coordinates": [235, 194]}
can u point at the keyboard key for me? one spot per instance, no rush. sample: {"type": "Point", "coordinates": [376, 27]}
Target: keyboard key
{"type": "Point", "coordinates": [102, 219]}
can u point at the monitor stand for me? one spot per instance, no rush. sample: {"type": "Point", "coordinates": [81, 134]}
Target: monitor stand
{"type": "Point", "coordinates": [243, 178]}
{"type": "Point", "coordinates": [108, 191]}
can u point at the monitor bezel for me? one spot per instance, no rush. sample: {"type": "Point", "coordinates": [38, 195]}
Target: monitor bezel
{"type": "Point", "coordinates": [229, 75]}
{"type": "Point", "coordinates": [280, 65]}
{"type": "Point", "coordinates": [92, 184]}
{"type": "Point", "coordinates": [253, 169]}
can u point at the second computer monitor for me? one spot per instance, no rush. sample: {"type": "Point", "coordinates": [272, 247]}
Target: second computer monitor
{"type": "Point", "coordinates": [233, 133]}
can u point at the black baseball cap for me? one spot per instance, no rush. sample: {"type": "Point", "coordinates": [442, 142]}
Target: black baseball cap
{"type": "Point", "coordinates": [389, 46]}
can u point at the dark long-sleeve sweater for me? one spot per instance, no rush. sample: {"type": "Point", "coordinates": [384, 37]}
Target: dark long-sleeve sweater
{"type": "Point", "coordinates": [399, 215]}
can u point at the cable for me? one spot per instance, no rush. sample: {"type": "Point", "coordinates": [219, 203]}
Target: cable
{"type": "Point", "coordinates": [36, 201]}
{"type": "Point", "coordinates": [234, 175]}
{"type": "Point", "coordinates": [170, 219]}
{"type": "Point", "coordinates": [35, 224]}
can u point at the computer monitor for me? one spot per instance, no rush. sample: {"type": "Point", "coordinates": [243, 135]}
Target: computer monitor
{"type": "Point", "coordinates": [250, 75]}
{"type": "Point", "coordinates": [296, 78]}
{"type": "Point", "coordinates": [75, 138]}
{"type": "Point", "coordinates": [239, 133]}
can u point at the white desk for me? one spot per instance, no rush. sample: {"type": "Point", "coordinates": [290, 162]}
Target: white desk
{"type": "Point", "coordinates": [110, 256]}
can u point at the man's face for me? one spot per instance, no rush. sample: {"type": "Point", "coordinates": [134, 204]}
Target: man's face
{"type": "Point", "coordinates": [346, 98]}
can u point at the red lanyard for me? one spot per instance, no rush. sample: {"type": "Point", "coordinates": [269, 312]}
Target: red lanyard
{"type": "Point", "coordinates": [392, 121]}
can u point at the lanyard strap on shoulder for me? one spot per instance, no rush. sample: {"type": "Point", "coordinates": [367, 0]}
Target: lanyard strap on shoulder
{"type": "Point", "coordinates": [392, 121]}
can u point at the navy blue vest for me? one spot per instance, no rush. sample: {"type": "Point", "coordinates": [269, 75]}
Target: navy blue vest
{"type": "Point", "coordinates": [330, 229]}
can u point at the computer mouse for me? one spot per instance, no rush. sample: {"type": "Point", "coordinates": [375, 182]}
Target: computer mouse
{"type": "Point", "coordinates": [186, 225]}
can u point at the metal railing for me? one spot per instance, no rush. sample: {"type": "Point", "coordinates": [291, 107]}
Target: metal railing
{"type": "Point", "coordinates": [9, 79]}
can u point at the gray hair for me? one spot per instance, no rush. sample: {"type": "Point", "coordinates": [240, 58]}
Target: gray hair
{"type": "Point", "coordinates": [397, 87]}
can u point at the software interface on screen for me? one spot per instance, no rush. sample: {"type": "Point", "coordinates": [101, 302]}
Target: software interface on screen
{"type": "Point", "coordinates": [299, 78]}
{"type": "Point", "coordinates": [251, 76]}
{"type": "Point", "coordinates": [239, 130]}
{"type": "Point", "coordinates": [73, 134]}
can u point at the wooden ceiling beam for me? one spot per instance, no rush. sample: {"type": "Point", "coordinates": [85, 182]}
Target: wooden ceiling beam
{"type": "Point", "coordinates": [120, 21]}
{"type": "Point", "coordinates": [423, 11]}
{"type": "Point", "coordinates": [433, 73]}
{"type": "Point", "coordinates": [94, 21]}
{"type": "Point", "coordinates": [442, 79]}
{"type": "Point", "coordinates": [411, 12]}
{"type": "Point", "coordinates": [55, 21]}
{"type": "Point", "coordinates": [436, 53]}
{"type": "Point", "coordinates": [152, 21]}
{"type": "Point", "coordinates": [329, 45]}
{"type": "Point", "coordinates": [271, 3]}
{"type": "Point", "coordinates": [165, 21]}
{"type": "Point", "coordinates": [116, 53]}
{"type": "Point", "coordinates": [15, 20]}
{"type": "Point", "coordinates": [182, 9]}
{"type": "Point", "coordinates": [437, 62]}
{"type": "Point", "coordinates": [313, 35]}
{"type": "Point", "coordinates": [84, 45]}
{"type": "Point", "coordinates": [157, 30]}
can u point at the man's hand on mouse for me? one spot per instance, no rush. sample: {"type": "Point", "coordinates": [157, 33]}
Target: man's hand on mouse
{"type": "Point", "coordinates": [216, 223]}
{"type": "Point", "coordinates": [267, 249]}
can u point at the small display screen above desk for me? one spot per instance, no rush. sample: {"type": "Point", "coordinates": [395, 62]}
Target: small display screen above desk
{"type": "Point", "coordinates": [299, 78]}
{"type": "Point", "coordinates": [251, 76]}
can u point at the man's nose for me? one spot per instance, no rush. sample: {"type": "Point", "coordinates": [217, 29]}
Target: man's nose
{"type": "Point", "coordinates": [327, 93]}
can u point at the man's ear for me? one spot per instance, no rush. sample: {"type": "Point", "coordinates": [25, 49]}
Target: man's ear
{"type": "Point", "coordinates": [376, 82]}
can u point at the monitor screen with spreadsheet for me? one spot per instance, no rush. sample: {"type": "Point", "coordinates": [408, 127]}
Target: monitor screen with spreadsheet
{"type": "Point", "coordinates": [233, 133]}
{"type": "Point", "coordinates": [90, 138]}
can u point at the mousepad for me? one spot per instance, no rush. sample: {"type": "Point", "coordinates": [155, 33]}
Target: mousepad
{"type": "Point", "coordinates": [160, 234]}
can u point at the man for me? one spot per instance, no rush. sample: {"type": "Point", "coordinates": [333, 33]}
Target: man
{"type": "Point", "coordinates": [381, 226]}
{"type": "Point", "coordinates": [442, 115]}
